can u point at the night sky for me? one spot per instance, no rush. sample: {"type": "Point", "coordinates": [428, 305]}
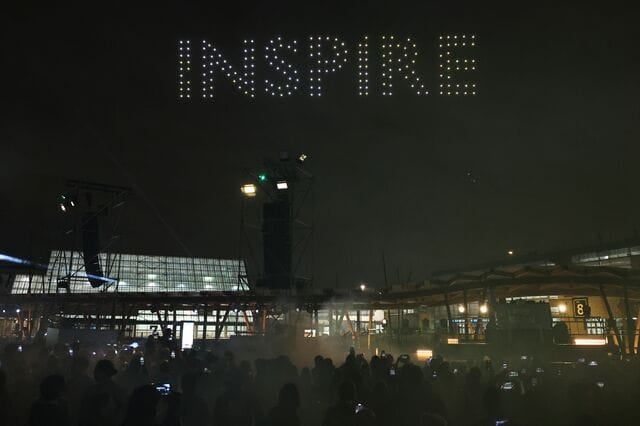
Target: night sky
{"type": "Point", "coordinates": [551, 139]}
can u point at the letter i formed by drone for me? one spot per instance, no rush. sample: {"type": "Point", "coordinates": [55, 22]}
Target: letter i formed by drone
{"type": "Point", "coordinates": [288, 67]}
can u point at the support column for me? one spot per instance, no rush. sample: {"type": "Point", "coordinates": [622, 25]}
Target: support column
{"type": "Point", "coordinates": [369, 327]}
{"type": "Point", "coordinates": [449, 319]}
{"type": "Point", "coordinates": [204, 327]}
{"type": "Point", "coordinates": [630, 326]}
{"type": "Point", "coordinates": [612, 321]}
{"type": "Point", "coordinates": [466, 315]}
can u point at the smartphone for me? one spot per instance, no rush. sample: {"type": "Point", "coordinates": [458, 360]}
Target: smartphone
{"type": "Point", "coordinates": [20, 348]}
{"type": "Point", "coordinates": [507, 386]}
{"type": "Point", "coordinates": [163, 388]}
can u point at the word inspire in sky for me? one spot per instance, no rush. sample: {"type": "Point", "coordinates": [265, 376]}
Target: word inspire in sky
{"type": "Point", "coordinates": [326, 55]}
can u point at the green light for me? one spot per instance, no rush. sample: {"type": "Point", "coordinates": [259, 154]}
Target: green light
{"type": "Point", "coordinates": [262, 177]}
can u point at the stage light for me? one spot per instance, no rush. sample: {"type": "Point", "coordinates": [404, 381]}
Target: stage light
{"type": "Point", "coordinates": [562, 308]}
{"type": "Point", "coordinates": [249, 190]}
{"type": "Point", "coordinates": [484, 309]}
{"type": "Point", "coordinates": [282, 185]}
{"type": "Point", "coordinates": [461, 309]}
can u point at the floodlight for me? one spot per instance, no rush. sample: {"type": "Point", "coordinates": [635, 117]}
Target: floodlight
{"type": "Point", "coordinates": [249, 189]}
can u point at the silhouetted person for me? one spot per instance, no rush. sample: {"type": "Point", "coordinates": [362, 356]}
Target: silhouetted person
{"type": "Point", "coordinates": [194, 410]}
{"type": "Point", "coordinates": [343, 412]}
{"type": "Point", "coordinates": [235, 406]}
{"type": "Point", "coordinates": [50, 409]}
{"type": "Point", "coordinates": [286, 412]}
{"type": "Point", "coordinates": [142, 407]}
{"type": "Point", "coordinates": [7, 416]}
{"type": "Point", "coordinates": [103, 402]}
{"type": "Point", "coordinates": [171, 404]}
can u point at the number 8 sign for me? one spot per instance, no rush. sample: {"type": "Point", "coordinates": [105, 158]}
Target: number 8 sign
{"type": "Point", "coordinates": [580, 307]}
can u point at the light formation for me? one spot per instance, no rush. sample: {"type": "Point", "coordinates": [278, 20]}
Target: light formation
{"type": "Point", "coordinates": [274, 52]}
{"type": "Point", "coordinates": [396, 56]}
{"type": "Point", "coordinates": [451, 65]}
{"type": "Point", "coordinates": [285, 69]}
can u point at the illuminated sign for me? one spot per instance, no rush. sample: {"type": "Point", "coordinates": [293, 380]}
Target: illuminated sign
{"type": "Point", "coordinates": [187, 335]}
{"type": "Point", "coordinates": [580, 307]}
{"type": "Point", "coordinates": [285, 67]}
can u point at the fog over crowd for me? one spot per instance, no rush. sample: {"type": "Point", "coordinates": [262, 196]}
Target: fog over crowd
{"type": "Point", "coordinates": [158, 384]}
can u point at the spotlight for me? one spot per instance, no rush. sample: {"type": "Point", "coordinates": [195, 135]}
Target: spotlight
{"type": "Point", "coordinates": [249, 189]}
{"type": "Point", "coordinates": [282, 185]}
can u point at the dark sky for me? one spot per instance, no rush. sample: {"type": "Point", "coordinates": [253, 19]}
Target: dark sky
{"type": "Point", "coordinates": [551, 137]}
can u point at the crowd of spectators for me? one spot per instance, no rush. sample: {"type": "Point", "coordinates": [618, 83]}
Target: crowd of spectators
{"type": "Point", "coordinates": [156, 385]}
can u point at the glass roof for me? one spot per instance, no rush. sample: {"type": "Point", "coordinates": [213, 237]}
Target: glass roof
{"type": "Point", "coordinates": [130, 273]}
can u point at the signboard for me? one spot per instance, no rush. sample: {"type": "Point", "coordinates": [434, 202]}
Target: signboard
{"type": "Point", "coordinates": [580, 306]}
{"type": "Point", "coordinates": [187, 335]}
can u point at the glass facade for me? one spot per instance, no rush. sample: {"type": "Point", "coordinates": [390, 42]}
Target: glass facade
{"type": "Point", "coordinates": [130, 273]}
